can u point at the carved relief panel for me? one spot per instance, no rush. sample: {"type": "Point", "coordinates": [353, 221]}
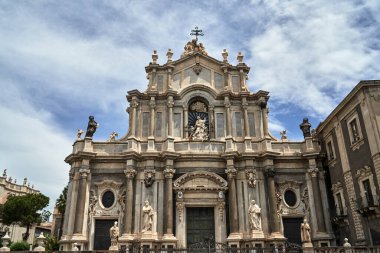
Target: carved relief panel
{"type": "Point", "coordinates": [289, 198]}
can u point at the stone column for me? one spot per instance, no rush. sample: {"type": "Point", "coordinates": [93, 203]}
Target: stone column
{"type": "Point", "coordinates": [317, 199]}
{"type": "Point", "coordinates": [227, 105]}
{"type": "Point", "coordinates": [152, 105]}
{"type": "Point", "coordinates": [246, 122]}
{"type": "Point", "coordinates": [71, 203]}
{"type": "Point", "coordinates": [81, 201]}
{"type": "Point", "coordinates": [275, 222]}
{"type": "Point", "coordinates": [211, 120]}
{"type": "Point", "coordinates": [169, 173]}
{"type": "Point", "coordinates": [134, 104]}
{"type": "Point", "coordinates": [186, 121]}
{"type": "Point", "coordinates": [232, 198]}
{"type": "Point", "coordinates": [264, 115]}
{"type": "Point", "coordinates": [170, 104]}
{"type": "Point", "coordinates": [130, 173]}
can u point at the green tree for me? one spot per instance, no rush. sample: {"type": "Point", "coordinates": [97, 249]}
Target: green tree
{"type": "Point", "coordinates": [24, 210]}
{"type": "Point", "coordinates": [60, 204]}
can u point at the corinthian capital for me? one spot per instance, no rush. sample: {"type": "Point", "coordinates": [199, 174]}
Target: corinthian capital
{"type": "Point", "coordinates": [84, 173]}
{"type": "Point", "coordinates": [169, 172]}
{"type": "Point", "coordinates": [313, 171]}
{"type": "Point", "coordinates": [170, 102]}
{"type": "Point", "coordinates": [130, 172]}
{"type": "Point", "coordinates": [231, 172]}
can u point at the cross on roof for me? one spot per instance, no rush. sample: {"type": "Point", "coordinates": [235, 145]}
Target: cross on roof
{"type": "Point", "coordinates": [197, 32]}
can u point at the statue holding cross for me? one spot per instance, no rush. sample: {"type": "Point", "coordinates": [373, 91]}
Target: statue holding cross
{"type": "Point", "coordinates": [193, 46]}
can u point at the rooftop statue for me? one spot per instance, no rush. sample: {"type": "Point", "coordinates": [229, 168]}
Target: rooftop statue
{"type": "Point", "coordinates": [91, 127]}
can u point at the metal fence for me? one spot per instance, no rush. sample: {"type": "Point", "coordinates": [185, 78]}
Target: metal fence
{"type": "Point", "coordinates": [353, 249]}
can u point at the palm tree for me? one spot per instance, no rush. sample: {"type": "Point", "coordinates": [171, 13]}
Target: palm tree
{"type": "Point", "coordinates": [60, 204]}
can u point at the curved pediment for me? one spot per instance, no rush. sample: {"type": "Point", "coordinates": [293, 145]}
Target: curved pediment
{"type": "Point", "coordinates": [200, 180]}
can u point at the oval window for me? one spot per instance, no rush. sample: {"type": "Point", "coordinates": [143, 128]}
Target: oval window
{"type": "Point", "coordinates": [108, 199]}
{"type": "Point", "coordinates": [290, 198]}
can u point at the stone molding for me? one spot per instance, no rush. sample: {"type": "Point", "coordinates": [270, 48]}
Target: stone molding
{"type": "Point", "coordinates": [221, 184]}
{"type": "Point", "coordinates": [363, 172]}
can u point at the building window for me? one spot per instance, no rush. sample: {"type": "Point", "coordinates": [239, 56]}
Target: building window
{"type": "Point", "coordinates": [158, 126]}
{"type": "Point", "coordinates": [220, 125]}
{"type": "Point", "coordinates": [177, 124]}
{"type": "Point", "coordinates": [218, 81]}
{"type": "Point", "coordinates": [368, 192]}
{"type": "Point", "coordinates": [339, 204]}
{"type": "Point", "coordinates": [160, 83]}
{"type": "Point", "coordinates": [238, 124]}
{"type": "Point", "coordinates": [251, 122]}
{"type": "Point", "coordinates": [108, 199]}
{"type": "Point", "coordinates": [145, 124]}
{"type": "Point", "coordinates": [354, 131]}
{"type": "Point", "coordinates": [235, 83]}
{"type": "Point", "coordinates": [330, 151]}
{"type": "Point", "coordinates": [367, 188]}
{"type": "Point", "coordinates": [290, 198]}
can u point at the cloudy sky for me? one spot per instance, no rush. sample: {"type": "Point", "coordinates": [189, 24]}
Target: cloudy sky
{"type": "Point", "coordinates": [61, 61]}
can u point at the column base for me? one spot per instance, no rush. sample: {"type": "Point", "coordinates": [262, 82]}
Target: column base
{"type": "Point", "coordinates": [234, 236]}
{"type": "Point", "coordinates": [149, 236]}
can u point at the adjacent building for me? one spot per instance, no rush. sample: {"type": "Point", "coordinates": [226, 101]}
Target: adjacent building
{"type": "Point", "coordinates": [350, 142]}
{"type": "Point", "coordinates": [198, 163]}
{"type": "Point", "coordinates": [9, 186]}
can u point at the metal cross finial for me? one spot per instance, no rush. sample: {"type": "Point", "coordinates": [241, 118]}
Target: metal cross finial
{"type": "Point", "coordinates": [197, 32]}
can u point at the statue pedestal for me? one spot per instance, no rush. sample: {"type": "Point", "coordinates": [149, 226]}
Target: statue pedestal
{"type": "Point", "coordinates": [307, 247]}
{"type": "Point", "coordinates": [113, 248]}
{"type": "Point", "coordinates": [257, 234]}
{"type": "Point", "coordinates": [148, 236]}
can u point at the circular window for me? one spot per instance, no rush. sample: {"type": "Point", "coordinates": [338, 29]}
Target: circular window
{"type": "Point", "coordinates": [290, 198]}
{"type": "Point", "coordinates": [108, 199]}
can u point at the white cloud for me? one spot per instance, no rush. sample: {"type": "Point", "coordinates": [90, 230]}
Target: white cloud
{"type": "Point", "coordinates": [34, 147]}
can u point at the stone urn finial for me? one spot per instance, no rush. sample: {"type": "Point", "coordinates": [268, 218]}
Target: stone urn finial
{"type": "Point", "coordinates": [240, 58]}
{"type": "Point", "coordinates": [154, 56]}
{"type": "Point", "coordinates": [225, 55]}
{"type": "Point", "coordinates": [40, 242]}
{"type": "Point", "coordinates": [5, 240]}
{"type": "Point", "coordinates": [169, 54]}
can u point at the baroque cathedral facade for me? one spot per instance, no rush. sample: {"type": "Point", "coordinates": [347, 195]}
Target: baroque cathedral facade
{"type": "Point", "coordinates": [197, 162]}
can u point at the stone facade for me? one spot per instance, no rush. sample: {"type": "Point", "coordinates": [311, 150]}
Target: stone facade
{"type": "Point", "coordinates": [350, 140]}
{"type": "Point", "coordinates": [198, 140]}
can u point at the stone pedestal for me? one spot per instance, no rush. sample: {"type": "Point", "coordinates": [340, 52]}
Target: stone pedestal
{"type": "Point", "coordinates": [307, 247]}
{"type": "Point", "coordinates": [114, 245]}
{"type": "Point", "coordinates": [248, 144]}
{"type": "Point", "coordinates": [88, 144]}
{"type": "Point", "coordinates": [257, 234]}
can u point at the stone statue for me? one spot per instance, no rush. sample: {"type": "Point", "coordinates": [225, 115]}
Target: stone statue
{"type": "Point", "coordinates": [5, 173]}
{"type": "Point", "coordinates": [114, 234]}
{"type": "Point", "coordinates": [200, 130]}
{"type": "Point", "coordinates": [283, 135]}
{"type": "Point", "coordinates": [305, 231]}
{"type": "Point", "coordinates": [305, 127]}
{"type": "Point", "coordinates": [148, 217]}
{"type": "Point", "coordinates": [113, 136]}
{"type": "Point", "coordinates": [91, 127]}
{"type": "Point", "coordinates": [79, 134]}
{"type": "Point", "coordinates": [254, 213]}
{"type": "Point", "coordinates": [346, 243]}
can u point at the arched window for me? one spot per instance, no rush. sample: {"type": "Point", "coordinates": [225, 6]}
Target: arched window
{"type": "Point", "coordinates": [198, 121]}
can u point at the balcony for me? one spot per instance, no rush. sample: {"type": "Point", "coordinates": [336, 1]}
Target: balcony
{"type": "Point", "coordinates": [368, 204]}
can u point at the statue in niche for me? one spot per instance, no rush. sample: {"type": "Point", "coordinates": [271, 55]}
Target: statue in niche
{"type": "Point", "coordinates": [114, 234]}
{"type": "Point", "coordinates": [91, 127]}
{"type": "Point", "coordinates": [200, 130]}
{"type": "Point", "coordinates": [254, 214]}
{"type": "Point", "coordinates": [93, 201]}
{"type": "Point", "coordinates": [305, 231]}
{"type": "Point", "coordinates": [148, 213]}
{"type": "Point", "coordinates": [305, 127]}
